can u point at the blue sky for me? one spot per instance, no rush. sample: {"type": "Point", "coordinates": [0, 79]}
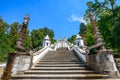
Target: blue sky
{"type": "Point", "coordinates": [62, 16]}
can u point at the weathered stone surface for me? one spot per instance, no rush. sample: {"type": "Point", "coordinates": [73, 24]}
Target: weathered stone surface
{"type": "Point", "coordinates": [22, 62]}
{"type": "Point", "coordinates": [22, 34]}
{"type": "Point", "coordinates": [9, 66]}
{"type": "Point", "coordinates": [103, 62]}
{"type": "Point", "coordinates": [59, 65]}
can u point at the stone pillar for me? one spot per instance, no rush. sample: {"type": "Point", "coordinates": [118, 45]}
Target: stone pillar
{"type": "Point", "coordinates": [100, 59]}
{"type": "Point", "coordinates": [97, 35]}
{"type": "Point", "coordinates": [19, 49]}
{"type": "Point", "coordinates": [22, 34]}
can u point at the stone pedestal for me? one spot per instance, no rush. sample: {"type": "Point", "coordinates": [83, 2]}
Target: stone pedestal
{"type": "Point", "coordinates": [22, 62]}
{"type": "Point", "coordinates": [103, 62]}
{"type": "Point", "coordinates": [16, 64]}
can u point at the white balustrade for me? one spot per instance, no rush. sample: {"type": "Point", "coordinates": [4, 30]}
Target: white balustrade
{"type": "Point", "coordinates": [80, 53]}
{"type": "Point", "coordinates": [40, 54]}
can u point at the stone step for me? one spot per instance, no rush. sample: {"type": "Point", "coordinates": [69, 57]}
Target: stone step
{"type": "Point", "coordinates": [60, 76]}
{"type": "Point", "coordinates": [60, 65]}
{"type": "Point", "coordinates": [65, 79]}
{"type": "Point", "coordinates": [58, 62]}
{"type": "Point", "coordinates": [58, 68]}
{"type": "Point", "coordinates": [58, 72]}
{"type": "Point", "coordinates": [61, 55]}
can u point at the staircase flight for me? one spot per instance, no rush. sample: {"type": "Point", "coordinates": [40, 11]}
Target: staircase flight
{"type": "Point", "coordinates": [61, 64]}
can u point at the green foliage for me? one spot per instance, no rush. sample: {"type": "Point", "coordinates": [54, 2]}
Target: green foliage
{"type": "Point", "coordinates": [38, 36]}
{"type": "Point", "coordinates": [5, 42]}
{"type": "Point", "coordinates": [105, 27]}
{"type": "Point", "coordinates": [4, 46]}
{"type": "Point", "coordinates": [116, 54]}
{"type": "Point", "coordinates": [28, 42]}
{"type": "Point", "coordinates": [82, 28]}
{"type": "Point", "coordinates": [99, 7]}
{"type": "Point", "coordinates": [13, 32]}
{"type": "Point", "coordinates": [116, 35]}
{"type": "Point", "coordinates": [82, 31]}
{"type": "Point", "coordinates": [108, 18]}
{"type": "Point", "coordinates": [72, 39]}
{"type": "Point", "coordinates": [9, 34]}
{"type": "Point", "coordinates": [88, 36]}
{"type": "Point", "coordinates": [49, 32]}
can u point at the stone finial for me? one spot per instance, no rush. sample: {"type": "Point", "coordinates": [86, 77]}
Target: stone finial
{"type": "Point", "coordinates": [46, 37]}
{"type": "Point", "coordinates": [26, 19]}
{"type": "Point", "coordinates": [78, 36]}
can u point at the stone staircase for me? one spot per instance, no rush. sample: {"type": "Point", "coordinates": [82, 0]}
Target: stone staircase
{"type": "Point", "coordinates": [60, 65]}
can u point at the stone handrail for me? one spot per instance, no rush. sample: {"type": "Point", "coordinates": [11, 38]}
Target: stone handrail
{"type": "Point", "coordinates": [40, 54]}
{"type": "Point", "coordinates": [40, 51]}
{"type": "Point", "coordinates": [55, 47]}
{"type": "Point", "coordinates": [80, 53]}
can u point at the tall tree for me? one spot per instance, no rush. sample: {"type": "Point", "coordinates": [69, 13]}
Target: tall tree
{"type": "Point", "coordinates": [47, 31]}
{"type": "Point", "coordinates": [116, 34]}
{"type": "Point", "coordinates": [106, 12]}
{"type": "Point", "coordinates": [88, 36]}
{"type": "Point", "coordinates": [72, 39]}
{"type": "Point", "coordinates": [28, 41]}
{"type": "Point", "coordinates": [3, 26]}
{"type": "Point", "coordinates": [13, 34]}
{"type": "Point", "coordinates": [5, 42]}
{"type": "Point", "coordinates": [38, 36]}
{"type": "Point", "coordinates": [82, 28]}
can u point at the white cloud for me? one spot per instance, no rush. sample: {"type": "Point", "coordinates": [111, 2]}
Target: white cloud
{"type": "Point", "coordinates": [77, 18]}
